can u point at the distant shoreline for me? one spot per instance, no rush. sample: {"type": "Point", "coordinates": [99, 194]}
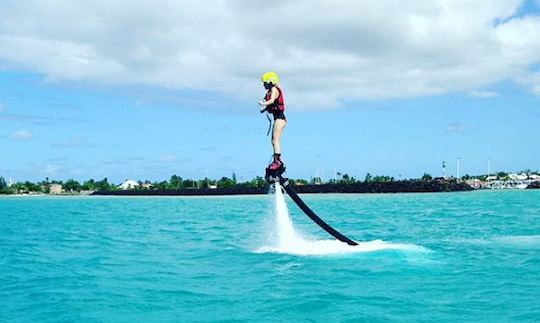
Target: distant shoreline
{"type": "Point", "coordinates": [412, 186]}
{"type": "Point", "coordinates": [404, 186]}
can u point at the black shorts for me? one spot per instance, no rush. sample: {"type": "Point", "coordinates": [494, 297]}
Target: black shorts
{"type": "Point", "coordinates": [279, 115]}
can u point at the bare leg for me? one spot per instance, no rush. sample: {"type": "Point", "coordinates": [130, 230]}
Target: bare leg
{"type": "Point", "coordinates": [279, 125]}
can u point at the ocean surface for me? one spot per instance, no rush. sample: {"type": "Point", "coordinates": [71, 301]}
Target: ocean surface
{"type": "Point", "coordinates": [472, 256]}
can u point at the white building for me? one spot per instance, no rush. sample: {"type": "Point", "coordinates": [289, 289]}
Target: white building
{"type": "Point", "coordinates": [475, 183]}
{"type": "Point", "coordinates": [55, 189]}
{"type": "Point", "coordinates": [518, 177]}
{"type": "Point", "coordinates": [128, 184]}
{"type": "Point", "coordinates": [147, 185]}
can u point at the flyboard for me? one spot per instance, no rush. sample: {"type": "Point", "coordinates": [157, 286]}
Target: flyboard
{"type": "Point", "coordinates": [273, 176]}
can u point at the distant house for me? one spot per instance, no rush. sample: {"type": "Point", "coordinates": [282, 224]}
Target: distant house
{"type": "Point", "coordinates": [518, 177]}
{"type": "Point", "coordinates": [55, 189]}
{"type": "Point", "coordinates": [474, 183]}
{"type": "Point", "coordinates": [147, 185]}
{"type": "Point", "coordinates": [129, 184]}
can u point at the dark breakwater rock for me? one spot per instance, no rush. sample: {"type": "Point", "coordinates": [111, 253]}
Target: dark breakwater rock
{"type": "Point", "coordinates": [534, 185]}
{"type": "Point", "coordinates": [407, 186]}
{"type": "Point", "coordinates": [190, 192]}
{"type": "Point", "coordinates": [411, 186]}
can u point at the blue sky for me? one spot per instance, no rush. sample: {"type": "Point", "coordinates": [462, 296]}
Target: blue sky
{"type": "Point", "coordinates": [72, 107]}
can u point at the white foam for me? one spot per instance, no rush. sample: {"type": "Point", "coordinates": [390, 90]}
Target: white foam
{"type": "Point", "coordinates": [511, 241]}
{"type": "Point", "coordinates": [288, 241]}
{"type": "Point", "coordinates": [333, 247]}
{"type": "Point", "coordinates": [532, 241]}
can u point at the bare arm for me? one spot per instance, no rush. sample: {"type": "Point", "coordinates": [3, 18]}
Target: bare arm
{"type": "Point", "coordinates": [273, 97]}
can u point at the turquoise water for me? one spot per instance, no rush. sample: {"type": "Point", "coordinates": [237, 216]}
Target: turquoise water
{"type": "Point", "coordinates": [471, 256]}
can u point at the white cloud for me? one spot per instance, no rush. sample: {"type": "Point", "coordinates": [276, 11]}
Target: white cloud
{"type": "Point", "coordinates": [536, 89]}
{"type": "Point", "coordinates": [51, 169]}
{"type": "Point", "coordinates": [75, 142]}
{"type": "Point", "coordinates": [531, 79]}
{"type": "Point", "coordinates": [483, 94]}
{"type": "Point", "coordinates": [21, 135]}
{"type": "Point", "coordinates": [168, 158]}
{"type": "Point", "coordinates": [325, 51]}
{"type": "Point", "coordinates": [455, 127]}
{"type": "Point", "coordinates": [458, 127]}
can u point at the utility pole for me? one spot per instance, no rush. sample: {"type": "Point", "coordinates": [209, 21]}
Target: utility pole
{"type": "Point", "coordinates": [457, 168]}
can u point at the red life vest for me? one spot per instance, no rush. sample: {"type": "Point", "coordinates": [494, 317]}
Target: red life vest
{"type": "Point", "coordinates": [279, 104]}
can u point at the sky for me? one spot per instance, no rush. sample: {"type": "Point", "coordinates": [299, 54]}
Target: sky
{"type": "Point", "coordinates": [147, 89]}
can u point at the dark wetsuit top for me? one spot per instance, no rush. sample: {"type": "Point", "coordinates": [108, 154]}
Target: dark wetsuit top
{"type": "Point", "coordinates": [278, 107]}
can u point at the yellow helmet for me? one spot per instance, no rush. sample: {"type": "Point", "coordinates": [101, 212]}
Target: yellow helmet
{"type": "Point", "coordinates": [270, 77]}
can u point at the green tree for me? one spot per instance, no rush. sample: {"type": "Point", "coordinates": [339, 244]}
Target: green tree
{"type": "Point", "coordinates": [345, 179]}
{"type": "Point", "coordinates": [502, 175]}
{"type": "Point", "coordinates": [161, 185]}
{"type": "Point", "coordinates": [483, 178]}
{"type": "Point", "coordinates": [382, 179]}
{"type": "Point", "coordinates": [316, 180]}
{"type": "Point", "coordinates": [146, 185]}
{"type": "Point", "coordinates": [427, 177]}
{"type": "Point", "coordinates": [20, 188]}
{"type": "Point", "coordinates": [226, 182]}
{"type": "Point", "coordinates": [175, 182]}
{"type": "Point", "coordinates": [26, 187]}
{"type": "Point", "coordinates": [258, 182]}
{"type": "Point", "coordinates": [46, 185]}
{"type": "Point", "coordinates": [189, 183]}
{"type": "Point", "coordinates": [3, 185]}
{"type": "Point", "coordinates": [103, 185]}
{"type": "Point", "coordinates": [298, 181]}
{"type": "Point", "coordinates": [368, 178]}
{"type": "Point", "coordinates": [205, 183]}
{"type": "Point", "coordinates": [72, 185]}
{"type": "Point", "coordinates": [89, 185]}
{"type": "Point", "coordinates": [32, 187]}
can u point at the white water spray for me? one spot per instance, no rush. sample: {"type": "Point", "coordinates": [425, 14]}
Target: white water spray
{"type": "Point", "coordinates": [290, 242]}
{"type": "Point", "coordinates": [285, 230]}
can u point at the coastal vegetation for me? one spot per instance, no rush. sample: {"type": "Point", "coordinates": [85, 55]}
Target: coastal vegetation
{"type": "Point", "coordinates": [46, 186]}
{"type": "Point", "coordinates": [177, 184]}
